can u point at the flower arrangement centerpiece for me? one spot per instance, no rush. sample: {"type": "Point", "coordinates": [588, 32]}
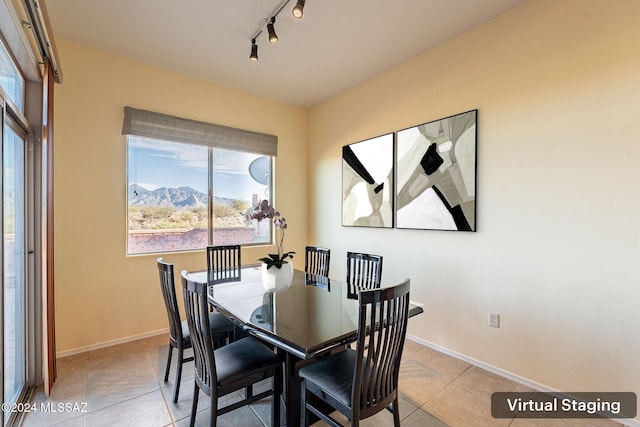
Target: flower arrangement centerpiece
{"type": "Point", "coordinates": [265, 211]}
{"type": "Point", "coordinates": [278, 278]}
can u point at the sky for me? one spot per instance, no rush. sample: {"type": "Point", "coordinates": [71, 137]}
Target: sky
{"type": "Point", "coordinates": [153, 164]}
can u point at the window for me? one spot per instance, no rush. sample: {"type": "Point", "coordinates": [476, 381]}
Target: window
{"type": "Point", "coordinates": [185, 196]}
{"type": "Point", "coordinates": [13, 251]}
{"type": "Point", "coordinates": [10, 79]}
{"type": "Point", "coordinates": [14, 262]}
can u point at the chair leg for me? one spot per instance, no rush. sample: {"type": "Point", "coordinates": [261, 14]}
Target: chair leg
{"type": "Point", "coordinates": [249, 391]}
{"type": "Point", "coordinates": [176, 387]}
{"type": "Point", "coordinates": [213, 397]}
{"type": "Point", "coordinates": [277, 393]}
{"type": "Point", "coordinates": [303, 399]}
{"type": "Point", "coordinates": [166, 371]}
{"type": "Point", "coordinates": [194, 404]}
{"type": "Point", "coordinates": [396, 412]}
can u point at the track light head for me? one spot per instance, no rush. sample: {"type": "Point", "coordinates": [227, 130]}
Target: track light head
{"type": "Point", "coordinates": [273, 37]}
{"type": "Point", "coordinates": [254, 51]}
{"type": "Point", "coordinates": [270, 24]}
{"type": "Point", "coordinates": [298, 9]}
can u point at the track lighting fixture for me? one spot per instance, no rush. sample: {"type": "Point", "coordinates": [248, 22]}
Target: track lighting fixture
{"type": "Point", "coordinates": [270, 24]}
{"type": "Point", "coordinates": [254, 50]}
{"type": "Point", "coordinates": [298, 9]}
{"type": "Point", "coordinates": [273, 37]}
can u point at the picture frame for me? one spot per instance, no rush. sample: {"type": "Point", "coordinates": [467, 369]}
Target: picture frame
{"type": "Point", "coordinates": [367, 183]}
{"type": "Point", "coordinates": [435, 167]}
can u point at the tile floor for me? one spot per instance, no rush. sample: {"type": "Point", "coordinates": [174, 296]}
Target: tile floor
{"type": "Point", "coordinates": [123, 386]}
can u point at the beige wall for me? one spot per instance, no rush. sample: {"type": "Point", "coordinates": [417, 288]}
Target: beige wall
{"type": "Point", "coordinates": [101, 294]}
{"type": "Point", "coordinates": [557, 86]}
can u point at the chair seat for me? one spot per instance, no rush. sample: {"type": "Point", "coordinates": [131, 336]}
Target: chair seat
{"type": "Point", "coordinates": [333, 375]}
{"type": "Point", "coordinates": [220, 325]}
{"type": "Point", "coordinates": [243, 358]}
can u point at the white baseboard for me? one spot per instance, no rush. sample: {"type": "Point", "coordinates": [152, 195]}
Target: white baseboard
{"type": "Point", "coordinates": [505, 374]}
{"type": "Point", "coordinates": [110, 343]}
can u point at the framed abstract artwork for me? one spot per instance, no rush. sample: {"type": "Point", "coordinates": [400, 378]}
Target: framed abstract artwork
{"type": "Point", "coordinates": [367, 183]}
{"type": "Point", "coordinates": [436, 174]}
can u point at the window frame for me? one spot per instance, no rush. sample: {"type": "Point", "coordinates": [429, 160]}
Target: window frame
{"type": "Point", "coordinates": [210, 197]}
{"type": "Point", "coordinates": [174, 129]}
{"type": "Point", "coordinates": [18, 104]}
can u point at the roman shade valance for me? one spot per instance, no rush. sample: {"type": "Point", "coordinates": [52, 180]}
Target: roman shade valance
{"type": "Point", "coordinates": [171, 128]}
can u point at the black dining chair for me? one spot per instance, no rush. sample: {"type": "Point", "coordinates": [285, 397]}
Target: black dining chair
{"type": "Point", "coordinates": [223, 263]}
{"type": "Point", "coordinates": [235, 366]}
{"type": "Point", "coordinates": [179, 337]}
{"type": "Point", "coordinates": [364, 271]}
{"type": "Point", "coordinates": [316, 260]}
{"type": "Point", "coordinates": [360, 383]}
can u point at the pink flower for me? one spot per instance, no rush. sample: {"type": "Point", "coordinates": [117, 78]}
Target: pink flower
{"type": "Point", "coordinates": [265, 211]}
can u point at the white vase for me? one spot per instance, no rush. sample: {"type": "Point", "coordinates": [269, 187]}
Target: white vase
{"type": "Point", "coordinates": [277, 279]}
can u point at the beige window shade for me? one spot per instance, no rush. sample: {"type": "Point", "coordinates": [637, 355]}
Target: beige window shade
{"type": "Point", "coordinates": [171, 128]}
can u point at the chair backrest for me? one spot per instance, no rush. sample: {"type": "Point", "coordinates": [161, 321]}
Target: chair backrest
{"type": "Point", "coordinates": [364, 271]}
{"type": "Point", "coordinates": [316, 260]}
{"type": "Point", "coordinates": [167, 285]}
{"type": "Point", "coordinates": [223, 263]}
{"type": "Point", "coordinates": [197, 312]}
{"type": "Point", "coordinates": [382, 328]}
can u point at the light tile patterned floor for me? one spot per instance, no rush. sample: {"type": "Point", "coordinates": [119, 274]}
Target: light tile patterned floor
{"type": "Point", "coordinates": [123, 386]}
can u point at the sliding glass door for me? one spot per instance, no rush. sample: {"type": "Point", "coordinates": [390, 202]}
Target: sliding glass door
{"type": "Point", "coordinates": [14, 262]}
{"type": "Point", "coordinates": [26, 206]}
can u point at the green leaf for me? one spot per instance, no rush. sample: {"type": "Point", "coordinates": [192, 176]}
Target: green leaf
{"type": "Point", "coordinates": [274, 260]}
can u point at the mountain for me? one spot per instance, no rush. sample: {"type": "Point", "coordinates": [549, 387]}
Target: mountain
{"type": "Point", "coordinates": [136, 190]}
{"type": "Point", "coordinates": [182, 197]}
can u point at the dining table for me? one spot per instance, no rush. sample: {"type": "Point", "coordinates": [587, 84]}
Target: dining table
{"type": "Point", "coordinates": [304, 320]}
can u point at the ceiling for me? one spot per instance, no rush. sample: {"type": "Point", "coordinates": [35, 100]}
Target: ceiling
{"type": "Point", "coordinates": [337, 45]}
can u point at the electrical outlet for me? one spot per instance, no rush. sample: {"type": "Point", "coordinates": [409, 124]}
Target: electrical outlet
{"type": "Point", "coordinates": [494, 319]}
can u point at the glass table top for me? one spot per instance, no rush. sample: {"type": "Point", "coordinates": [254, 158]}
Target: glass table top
{"type": "Point", "coordinates": [308, 318]}
{"type": "Point", "coordinates": [311, 316]}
